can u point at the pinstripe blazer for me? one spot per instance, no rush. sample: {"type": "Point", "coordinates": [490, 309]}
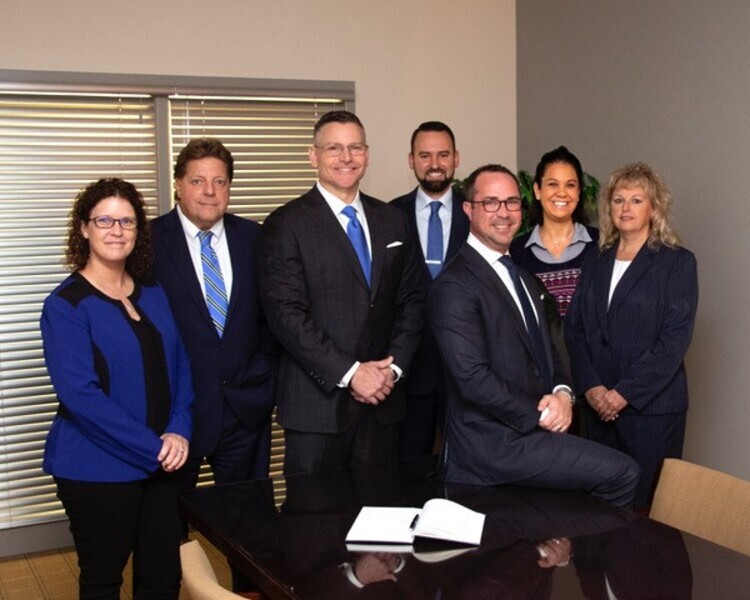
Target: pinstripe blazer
{"type": "Point", "coordinates": [322, 312]}
{"type": "Point", "coordinates": [638, 343]}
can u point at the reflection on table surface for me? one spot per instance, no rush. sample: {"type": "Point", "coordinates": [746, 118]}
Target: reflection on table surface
{"type": "Point", "coordinates": [536, 543]}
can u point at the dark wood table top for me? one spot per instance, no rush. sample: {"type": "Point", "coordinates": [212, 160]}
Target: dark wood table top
{"type": "Point", "coordinates": [296, 549]}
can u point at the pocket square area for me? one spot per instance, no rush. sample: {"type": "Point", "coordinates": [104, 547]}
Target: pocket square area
{"type": "Point", "coordinates": [395, 244]}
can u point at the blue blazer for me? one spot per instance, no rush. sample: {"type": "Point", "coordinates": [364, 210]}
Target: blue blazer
{"type": "Point", "coordinates": [424, 374]}
{"type": "Point", "coordinates": [638, 344]}
{"type": "Point", "coordinates": [237, 369]}
{"type": "Point", "coordinates": [95, 363]}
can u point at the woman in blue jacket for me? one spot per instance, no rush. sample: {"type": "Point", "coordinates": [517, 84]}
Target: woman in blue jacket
{"type": "Point", "coordinates": [122, 378]}
{"type": "Point", "coordinates": [631, 322]}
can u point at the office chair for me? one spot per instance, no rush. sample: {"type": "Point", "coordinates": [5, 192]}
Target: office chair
{"type": "Point", "coordinates": [198, 575]}
{"type": "Point", "coordinates": [704, 502]}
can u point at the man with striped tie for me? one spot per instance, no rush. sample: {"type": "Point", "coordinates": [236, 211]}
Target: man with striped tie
{"type": "Point", "coordinates": [205, 258]}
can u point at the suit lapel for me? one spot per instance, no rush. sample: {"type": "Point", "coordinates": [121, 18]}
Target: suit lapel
{"type": "Point", "coordinates": [459, 227]}
{"type": "Point", "coordinates": [239, 254]}
{"type": "Point", "coordinates": [640, 265]}
{"type": "Point", "coordinates": [411, 211]}
{"type": "Point", "coordinates": [323, 217]}
{"type": "Point", "coordinates": [183, 264]}
{"type": "Point", "coordinates": [490, 279]}
{"type": "Point", "coordinates": [602, 279]}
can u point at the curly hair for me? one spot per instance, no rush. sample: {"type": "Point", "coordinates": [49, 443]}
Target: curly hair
{"type": "Point", "coordinates": [643, 176]}
{"type": "Point", "coordinates": [559, 155]}
{"type": "Point", "coordinates": [138, 263]}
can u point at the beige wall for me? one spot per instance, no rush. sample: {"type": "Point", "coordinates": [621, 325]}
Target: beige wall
{"type": "Point", "coordinates": [411, 61]}
{"type": "Point", "coordinates": [666, 82]}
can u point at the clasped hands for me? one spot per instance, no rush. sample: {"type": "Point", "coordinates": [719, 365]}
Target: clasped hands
{"type": "Point", "coordinates": [373, 381]}
{"type": "Point", "coordinates": [607, 403]}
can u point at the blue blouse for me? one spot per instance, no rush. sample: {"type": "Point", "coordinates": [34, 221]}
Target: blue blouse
{"type": "Point", "coordinates": [95, 360]}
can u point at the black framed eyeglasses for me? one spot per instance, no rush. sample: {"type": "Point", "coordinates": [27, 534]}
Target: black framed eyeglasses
{"type": "Point", "coordinates": [491, 205]}
{"type": "Point", "coordinates": [107, 222]}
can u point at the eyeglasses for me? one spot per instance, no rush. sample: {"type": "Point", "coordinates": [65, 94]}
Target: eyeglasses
{"type": "Point", "coordinates": [338, 149]}
{"type": "Point", "coordinates": [107, 222]}
{"type": "Point", "coordinates": [491, 205]}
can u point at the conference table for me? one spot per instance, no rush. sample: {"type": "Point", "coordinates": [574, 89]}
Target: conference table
{"type": "Point", "coordinates": [287, 534]}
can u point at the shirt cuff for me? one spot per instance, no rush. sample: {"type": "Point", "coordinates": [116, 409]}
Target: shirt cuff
{"type": "Point", "coordinates": [565, 388]}
{"type": "Point", "coordinates": [347, 378]}
{"type": "Point", "coordinates": [397, 372]}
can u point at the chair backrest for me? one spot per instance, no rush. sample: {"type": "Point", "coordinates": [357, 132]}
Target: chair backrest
{"type": "Point", "coordinates": [704, 502]}
{"type": "Point", "coordinates": [198, 575]}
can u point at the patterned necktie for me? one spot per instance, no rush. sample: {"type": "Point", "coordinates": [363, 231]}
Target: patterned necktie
{"type": "Point", "coordinates": [213, 283]}
{"type": "Point", "coordinates": [532, 326]}
{"type": "Point", "coordinates": [357, 237]}
{"type": "Point", "coordinates": [435, 240]}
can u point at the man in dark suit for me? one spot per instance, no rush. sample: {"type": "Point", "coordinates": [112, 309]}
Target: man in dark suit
{"type": "Point", "coordinates": [509, 404]}
{"type": "Point", "coordinates": [342, 291]}
{"type": "Point", "coordinates": [231, 355]}
{"type": "Point", "coordinates": [437, 220]}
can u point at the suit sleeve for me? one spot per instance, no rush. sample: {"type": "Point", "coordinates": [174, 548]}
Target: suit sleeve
{"type": "Point", "coordinates": [69, 355]}
{"type": "Point", "coordinates": [457, 322]}
{"type": "Point", "coordinates": [286, 301]}
{"type": "Point", "coordinates": [657, 366]}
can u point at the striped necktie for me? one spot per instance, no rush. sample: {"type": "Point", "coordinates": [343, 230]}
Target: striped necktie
{"type": "Point", "coordinates": [213, 283]}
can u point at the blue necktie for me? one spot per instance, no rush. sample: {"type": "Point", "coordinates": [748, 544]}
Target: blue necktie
{"type": "Point", "coordinates": [435, 240]}
{"type": "Point", "coordinates": [357, 237]}
{"type": "Point", "coordinates": [532, 326]}
{"type": "Point", "coordinates": [213, 283]}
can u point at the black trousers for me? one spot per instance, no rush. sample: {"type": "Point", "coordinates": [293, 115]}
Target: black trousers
{"type": "Point", "coordinates": [365, 442]}
{"type": "Point", "coordinates": [110, 520]}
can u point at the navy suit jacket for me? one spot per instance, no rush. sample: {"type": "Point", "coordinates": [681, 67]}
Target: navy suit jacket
{"type": "Point", "coordinates": [637, 346]}
{"type": "Point", "coordinates": [236, 369]}
{"type": "Point", "coordinates": [492, 408]}
{"type": "Point", "coordinates": [424, 374]}
{"type": "Point", "coordinates": [322, 312]}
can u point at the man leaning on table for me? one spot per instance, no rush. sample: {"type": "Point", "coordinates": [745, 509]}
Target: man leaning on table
{"type": "Point", "coordinates": [510, 404]}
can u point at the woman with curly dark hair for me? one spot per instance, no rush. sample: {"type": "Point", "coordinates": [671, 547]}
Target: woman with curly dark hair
{"type": "Point", "coordinates": [122, 378]}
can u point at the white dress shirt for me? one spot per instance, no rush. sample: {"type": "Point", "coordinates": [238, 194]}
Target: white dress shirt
{"type": "Point", "coordinates": [218, 243]}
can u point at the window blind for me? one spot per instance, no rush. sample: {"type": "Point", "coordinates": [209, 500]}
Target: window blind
{"type": "Point", "coordinates": [82, 127]}
{"type": "Point", "coordinates": [52, 146]}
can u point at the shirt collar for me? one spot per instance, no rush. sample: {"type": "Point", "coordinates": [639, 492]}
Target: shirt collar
{"type": "Point", "coordinates": [580, 234]}
{"type": "Point", "coordinates": [488, 254]}
{"type": "Point", "coordinates": [337, 204]}
{"type": "Point", "coordinates": [423, 200]}
{"type": "Point", "coordinates": [191, 230]}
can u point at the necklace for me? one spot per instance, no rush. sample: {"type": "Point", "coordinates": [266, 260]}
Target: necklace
{"type": "Point", "coordinates": [121, 295]}
{"type": "Point", "coordinates": [549, 240]}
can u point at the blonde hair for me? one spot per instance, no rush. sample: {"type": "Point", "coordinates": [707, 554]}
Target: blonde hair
{"type": "Point", "coordinates": [643, 176]}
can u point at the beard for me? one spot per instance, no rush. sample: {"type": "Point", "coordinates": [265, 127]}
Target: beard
{"type": "Point", "coordinates": [435, 186]}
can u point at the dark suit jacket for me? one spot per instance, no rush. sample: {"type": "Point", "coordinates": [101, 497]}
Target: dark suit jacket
{"type": "Point", "coordinates": [424, 372]}
{"type": "Point", "coordinates": [485, 346]}
{"type": "Point", "coordinates": [237, 368]}
{"type": "Point", "coordinates": [322, 312]}
{"type": "Point", "coordinates": [638, 345]}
